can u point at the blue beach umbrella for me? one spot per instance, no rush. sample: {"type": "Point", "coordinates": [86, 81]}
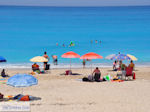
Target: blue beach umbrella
{"type": "Point", "coordinates": [22, 80]}
{"type": "Point", "coordinates": [2, 59]}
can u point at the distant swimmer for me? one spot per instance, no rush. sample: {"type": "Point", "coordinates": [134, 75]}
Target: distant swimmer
{"type": "Point", "coordinates": [91, 41]}
{"type": "Point", "coordinates": [63, 45]}
{"type": "Point", "coordinates": [100, 41]}
{"type": "Point", "coordinates": [71, 44]}
{"type": "Point", "coordinates": [56, 44]}
{"type": "Point", "coordinates": [96, 41]}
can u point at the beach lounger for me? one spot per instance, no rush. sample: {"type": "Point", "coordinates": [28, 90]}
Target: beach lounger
{"type": "Point", "coordinates": [129, 73]}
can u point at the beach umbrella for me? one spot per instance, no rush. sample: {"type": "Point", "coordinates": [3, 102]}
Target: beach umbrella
{"type": "Point", "coordinates": [39, 59]}
{"type": "Point", "coordinates": [117, 57]}
{"type": "Point", "coordinates": [121, 57]}
{"type": "Point", "coordinates": [70, 55]}
{"type": "Point", "coordinates": [22, 80]}
{"type": "Point", "coordinates": [110, 56]}
{"type": "Point", "coordinates": [132, 57]}
{"type": "Point", "coordinates": [2, 59]}
{"type": "Point", "coordinates": [90, 56]}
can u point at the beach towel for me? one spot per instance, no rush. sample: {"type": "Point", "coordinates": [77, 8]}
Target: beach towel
{"type": "Point", "coordinates": [3, 81]}
{"type": "Point", "coordinates": [117, 80]}
{"type": "Point", "coordinates": [24, 98]}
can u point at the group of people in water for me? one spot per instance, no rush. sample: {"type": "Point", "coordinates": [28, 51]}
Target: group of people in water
{"type": "Point", "coordinates": [96, 42]}
{"type": "Point", "coordinates": [73, 44]}
{"type": "Point", "coordinates": [70, 44]}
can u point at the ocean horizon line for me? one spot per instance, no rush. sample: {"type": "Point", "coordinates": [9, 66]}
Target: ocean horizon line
{"type": "Point", "coordinates": [75, 6]}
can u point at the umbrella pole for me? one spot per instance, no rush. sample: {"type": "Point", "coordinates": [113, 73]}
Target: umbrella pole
{"type": "Point", "coordinates": [22, 91]}
{"type": "Point", "coordinates": [91, 70]}
{"type": "Point", "coordinates": [70, 63]}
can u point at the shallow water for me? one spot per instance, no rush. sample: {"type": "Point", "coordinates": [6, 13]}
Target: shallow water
{"type": "Point", "coordinates": [26, 32]}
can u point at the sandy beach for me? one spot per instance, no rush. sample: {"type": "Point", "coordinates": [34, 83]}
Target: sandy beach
{"type": "Point", "coordinates": [60, 93]}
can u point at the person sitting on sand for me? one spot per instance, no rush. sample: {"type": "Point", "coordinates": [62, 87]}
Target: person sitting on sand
{"type": "Point", "coordinates": [97, 74]}
{"type": "Point", "coordinates": [3, 74]}
{"type": "Point", "coordinates": [131, 64]}
{"type": "Point", "coordinates": [35, 67]}
{"type": "Point", "coordinates": [123, 66]}
{"type": "Point", "coordinates": [114, 66]}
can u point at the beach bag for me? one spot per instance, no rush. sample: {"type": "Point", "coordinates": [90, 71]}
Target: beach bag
{"type": "Point", "coordinates": [68, 72]}
{"type": "Point", "coordinates": [17, 96]}
{"type": "Point", "coordinates": [1, 96]}
{"type": "Point", "coordinates": [47, 67]}
{"type": "Point", "coordinates": [85, 79]}
{"type": "Point", "coordinates": [37, 71]}
{"type": "Point", "coordinates": [25, 98]}
{"type": "Point", "coordinates": [107, 77]}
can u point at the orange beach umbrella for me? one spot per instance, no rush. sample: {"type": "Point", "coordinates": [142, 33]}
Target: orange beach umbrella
{"type": "Point", "coordinates": [70, 55]}
{"type": "Point", "coordinates": [91, 55]}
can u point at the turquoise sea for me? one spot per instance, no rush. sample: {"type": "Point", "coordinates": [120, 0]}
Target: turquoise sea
{"type": "Point", "coordinates": [26, 32]}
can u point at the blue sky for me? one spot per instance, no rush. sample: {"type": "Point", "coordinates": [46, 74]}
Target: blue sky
{"type": "Point", "coordinates": [75, 2]}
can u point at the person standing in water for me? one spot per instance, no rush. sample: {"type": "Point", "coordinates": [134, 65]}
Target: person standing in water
{"type": "Point", "coordinates": [55, 59]}
{"type": "Point", "coordinates": [47, 57]}
{"type": "Point", "coordinates": [96, 41]}
{"type": "Point", "coordinates": [83, 62]}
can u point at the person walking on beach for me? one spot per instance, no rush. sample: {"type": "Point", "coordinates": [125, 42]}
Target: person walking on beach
{"type": "Point", "coordinates": [47, 57]}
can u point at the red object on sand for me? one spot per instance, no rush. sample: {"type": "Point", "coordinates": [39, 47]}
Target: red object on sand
{"type": "Point", "coordinates": [91, 55]}
{"type": "Point", "coordinates": [134, 76]}
{"type": "Point", "coordinates": [25, 98]}
{"type": "Point", "coordinates": [70, 54]}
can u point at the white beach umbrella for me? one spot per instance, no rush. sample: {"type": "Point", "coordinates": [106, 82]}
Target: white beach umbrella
{"type": "Point", "coordinates": [39, 59]}
{"type": "Point", "coordinates": [132, 57]}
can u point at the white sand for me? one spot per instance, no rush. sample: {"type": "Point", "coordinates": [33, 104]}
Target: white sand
{"type": "Point", "coordinates": [61, 93]}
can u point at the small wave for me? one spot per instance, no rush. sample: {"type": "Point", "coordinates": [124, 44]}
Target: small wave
{"type": "Point", "coordinates": [64, 65]}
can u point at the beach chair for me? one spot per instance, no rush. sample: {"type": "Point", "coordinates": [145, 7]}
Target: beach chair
{"type": "Point", "coordinates": [129, 73]}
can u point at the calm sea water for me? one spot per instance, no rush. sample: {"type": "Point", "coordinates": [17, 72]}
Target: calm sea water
{"type": "Point", "coordinates": [26, 32]}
